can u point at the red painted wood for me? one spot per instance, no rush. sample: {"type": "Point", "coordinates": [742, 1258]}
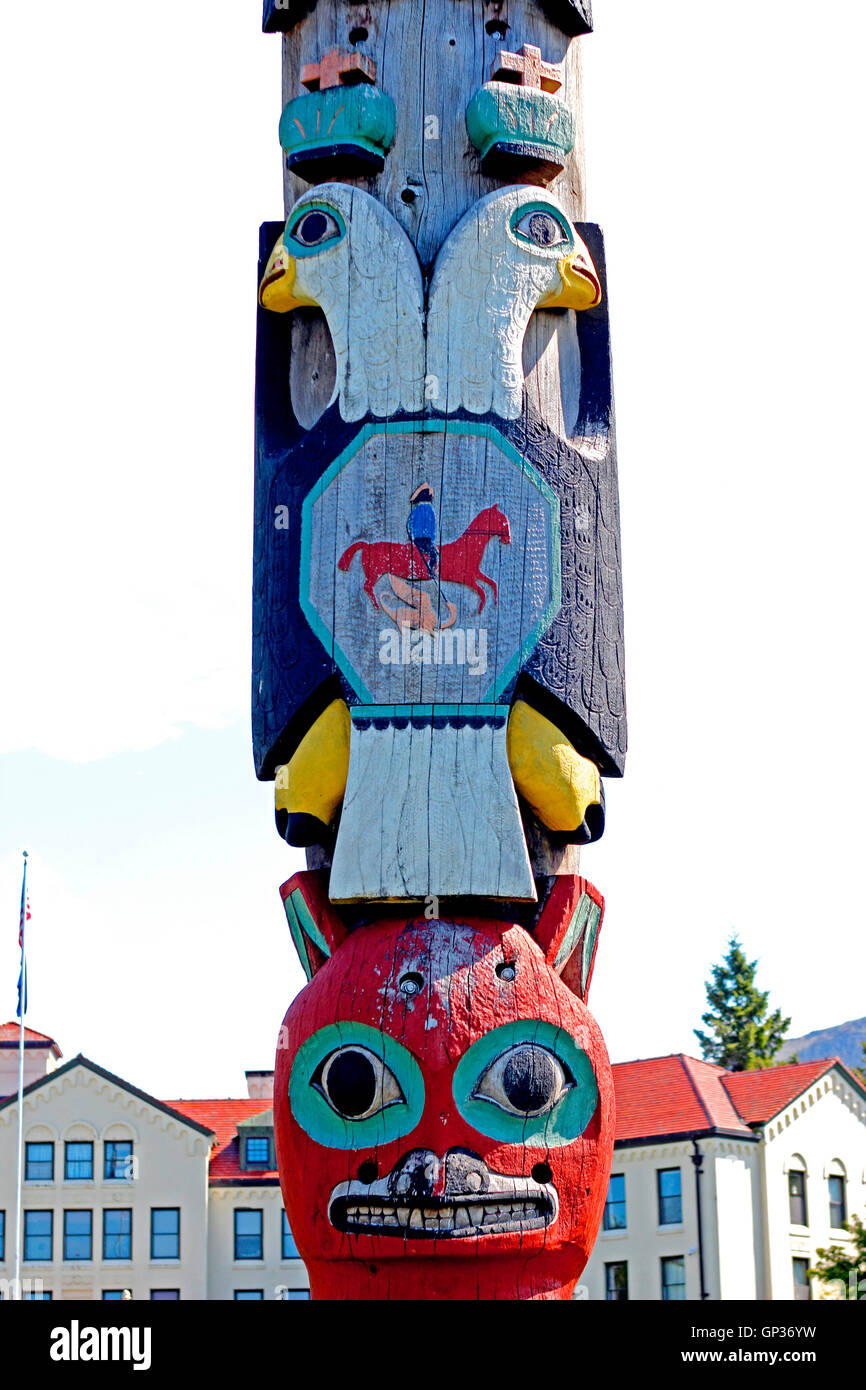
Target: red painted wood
{"type": "Point", "coordinates": [461, 999]}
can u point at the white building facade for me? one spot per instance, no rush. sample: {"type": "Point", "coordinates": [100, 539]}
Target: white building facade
{"type": "Point", "coordinates": [129, 1196]}
{"type": "Point", "coordinates": [724, 1185]}
{"type": "Point", "coordinates": [736, 1205]}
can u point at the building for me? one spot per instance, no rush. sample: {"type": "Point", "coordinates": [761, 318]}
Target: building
{"type": "Point", "coordinates": [724, 1184]}
{"type": "Point", "coordinates": [166, 1199]}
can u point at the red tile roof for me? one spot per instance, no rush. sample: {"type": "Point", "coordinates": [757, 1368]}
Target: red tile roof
{"type": "Point", "coordinates": [223, 1117]}
{"type": "Point", "coordinates": [671, 1095]}
{"type": "Point", "coordinates": [9, 1034]}
{"type": "Point", "coordinates": [759, 1095]}
{"type": "Point", "coordinates": [663, 1096]}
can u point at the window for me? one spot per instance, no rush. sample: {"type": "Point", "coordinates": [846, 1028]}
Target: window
{"type": "Point", "coordinates": [249, 1295]}
{"type": "Point", "coordinates": [117, 1234]}
{"type": "Point", "coordinates": [290, 1249]}
{"type": "Point", "coordinates": [258, 1151]}
{"type": "Point", "coordinates": [248, 1235]}
{"type": "Point", "coordinates": [36, 1295]}
{"type": "Point", "coordinates": [117, 1160]}
{"type": "Point", "coordinates": [39, 1236]}
{"type": "Point", "coordinates": [39, 1163]}
{"type": "Point", "coordinates": [3, 1234]}
{"type": "Point", "coordinates": [78, 1163]}
{"type": "Point", "coordinates": [797, 1197]}
{"type": "Point", "coordinates": [165, 1233]}
{"type": "Point", "coordinates": [290, 1295]}
{"type": "Point", "coordinates": [616, 1282]}
{"type": "Point", "coordinates": [78, 1235]}
{"type": "Point", "coordinates": [164, 1295]}
{"type": "Point", "coordinates": [837, 1200]}
{"type": "Point", "coordinates": [113, 1295]}
{"type": "Point", "coordinates": [802, 1287]}
{"type": "Point", "coordinates": [674, 1279]}
{"type": "Point", "coordinates": [670, 1190]}
{"type": "Point", "coordinates": [614, 1207]}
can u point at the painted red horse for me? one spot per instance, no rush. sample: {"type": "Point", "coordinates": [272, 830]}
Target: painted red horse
{"type": "Point", "coordinates": [459, 561]}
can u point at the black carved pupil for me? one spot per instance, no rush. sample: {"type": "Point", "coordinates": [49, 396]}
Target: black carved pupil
{"type": "Point", "coordinates": [543, 229]}
{"type": "Point", "coordinates": [529, 1079]}
{"type": "Point", "coordinates": [351, 1083]}
{"type": "Point", "coordinates": [313, 228]}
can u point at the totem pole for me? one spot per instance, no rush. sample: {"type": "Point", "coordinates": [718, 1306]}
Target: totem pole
{"type": "Point", "coordinates": [438, 659]}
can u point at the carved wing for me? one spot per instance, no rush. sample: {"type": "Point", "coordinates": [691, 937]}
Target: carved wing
{"type": "Point", "coordinates": [484, 290]}
{"type": "Point", "coordinates": [385, 366]}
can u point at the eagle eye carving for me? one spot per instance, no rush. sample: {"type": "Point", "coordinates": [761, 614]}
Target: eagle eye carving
{"type": "Point", "coordinates": [315, 228]}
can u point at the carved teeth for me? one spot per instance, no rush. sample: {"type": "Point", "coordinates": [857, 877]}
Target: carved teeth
{"type": "Point", "coordinates": [458, 1218]}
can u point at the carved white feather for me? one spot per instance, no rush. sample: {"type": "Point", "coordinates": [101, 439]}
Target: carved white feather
{"type": "Point", "coordinates": [487, 283]}
{"type": "Point", "coordinates": [369, 287]}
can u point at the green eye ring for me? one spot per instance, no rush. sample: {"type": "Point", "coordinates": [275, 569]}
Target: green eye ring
{"type": "Point", "coordinates": [542, 227]}
{"type": "Point", "coordinates": [314, 227]}
{"type": "Point", "coordinates": [400, 1088]}
{"type": "Point", "coordinates": [574, 1094]}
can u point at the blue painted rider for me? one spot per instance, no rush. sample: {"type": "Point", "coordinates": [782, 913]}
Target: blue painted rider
{"type": "Point", "coordinates": [422, 528]}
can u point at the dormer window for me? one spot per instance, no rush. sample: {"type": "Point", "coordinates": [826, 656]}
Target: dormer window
{"type": "Point", "coordinates": [258, 1151]}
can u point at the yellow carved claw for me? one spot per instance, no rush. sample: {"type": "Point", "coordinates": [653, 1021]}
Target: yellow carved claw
{"type": "Point", "coordinates": [562, 788]}
{"type": "Point", "coordinates": [310, 787]}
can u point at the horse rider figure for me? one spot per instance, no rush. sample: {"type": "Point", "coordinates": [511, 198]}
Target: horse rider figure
{"type": "Point", "coordinates": [421, 527]}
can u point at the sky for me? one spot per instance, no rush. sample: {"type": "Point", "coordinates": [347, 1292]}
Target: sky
{"type": "Point", "coordinates": [141, 155]}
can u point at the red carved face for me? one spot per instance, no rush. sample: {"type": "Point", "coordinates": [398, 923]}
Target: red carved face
{"type": "Point", "coordinates": [444, 1117]}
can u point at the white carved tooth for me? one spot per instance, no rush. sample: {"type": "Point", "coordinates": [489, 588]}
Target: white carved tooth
{"type": "Point", "coordinates": [461, 1218]}
{"type": "Point", "coordinates": [477, 1214]}
{"type": "Point", "coordinates": [415, 1219]}
{"type": "Point", "coordinates": [403, 1216]}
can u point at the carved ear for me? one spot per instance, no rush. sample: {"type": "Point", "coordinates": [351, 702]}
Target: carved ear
{"type": "Point", "coordinates": [567, 930]}
{"type": "Point", "coordinates": [315, 926]}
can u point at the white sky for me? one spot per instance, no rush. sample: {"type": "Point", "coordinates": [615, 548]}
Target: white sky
{"type": "Point", "coordinates": [725, 159]}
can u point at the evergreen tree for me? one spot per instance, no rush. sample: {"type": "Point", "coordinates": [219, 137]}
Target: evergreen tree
{"type": "Point", "coordinates": [860, 1071]}
{"type": "Point", "coordinates": [743, 1034]}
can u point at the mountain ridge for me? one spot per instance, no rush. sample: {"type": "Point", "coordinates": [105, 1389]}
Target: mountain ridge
{"type": "Point", "coordinates": [842, 1040]}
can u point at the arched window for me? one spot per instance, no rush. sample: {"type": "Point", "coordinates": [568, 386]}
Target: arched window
{"type": "Point", "coordinates": [797, 1190]}
{"type": "Point", "coordinates": [78, 1147]}
{"type": "Point", "coordinates": [836, 1181]}
{"type": "Point", "coordinates": [39, 1153]}
{"type": "Point", "coordinates": [119, 1163]}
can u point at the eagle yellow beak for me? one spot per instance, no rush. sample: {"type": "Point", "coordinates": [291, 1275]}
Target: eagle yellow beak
{"type": "Point", "coordinates": [277, 290]}
{"type": "Point", "coordinates": [579, 285]}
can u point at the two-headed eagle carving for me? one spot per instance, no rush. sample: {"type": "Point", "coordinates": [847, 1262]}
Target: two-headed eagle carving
{"type": "Point", "coordinates": [515, 251]}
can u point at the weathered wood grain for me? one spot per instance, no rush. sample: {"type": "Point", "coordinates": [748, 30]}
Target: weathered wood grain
{"type": "Point", "coordinates": [432, 174]}
{"type": "Point", "coordinates": [574, 674]}
{"type": "Point", "coordinates": [430, 811]}
{"type": "Point", "coordinates": [573, 16]}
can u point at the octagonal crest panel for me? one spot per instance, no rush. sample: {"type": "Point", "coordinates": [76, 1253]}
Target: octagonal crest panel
{"type": "Point", "coordinates": [430, 562]}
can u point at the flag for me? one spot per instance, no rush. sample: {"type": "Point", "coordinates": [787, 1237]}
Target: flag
{"type": "Point", "coordinates": [23, 920]}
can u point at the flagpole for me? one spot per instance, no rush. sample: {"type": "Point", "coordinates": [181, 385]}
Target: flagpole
{"type": "Point", "coordinates": [22, 1004]}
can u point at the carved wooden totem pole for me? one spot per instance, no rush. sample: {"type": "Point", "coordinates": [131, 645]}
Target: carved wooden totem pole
{"type": "Point", "coordinates": [438, 657]}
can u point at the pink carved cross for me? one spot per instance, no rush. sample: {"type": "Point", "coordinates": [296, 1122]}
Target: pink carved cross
{"type": "Point", "coordinates": [527, 69]}
{"type": "Point", "coordinates": [338, 69]}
